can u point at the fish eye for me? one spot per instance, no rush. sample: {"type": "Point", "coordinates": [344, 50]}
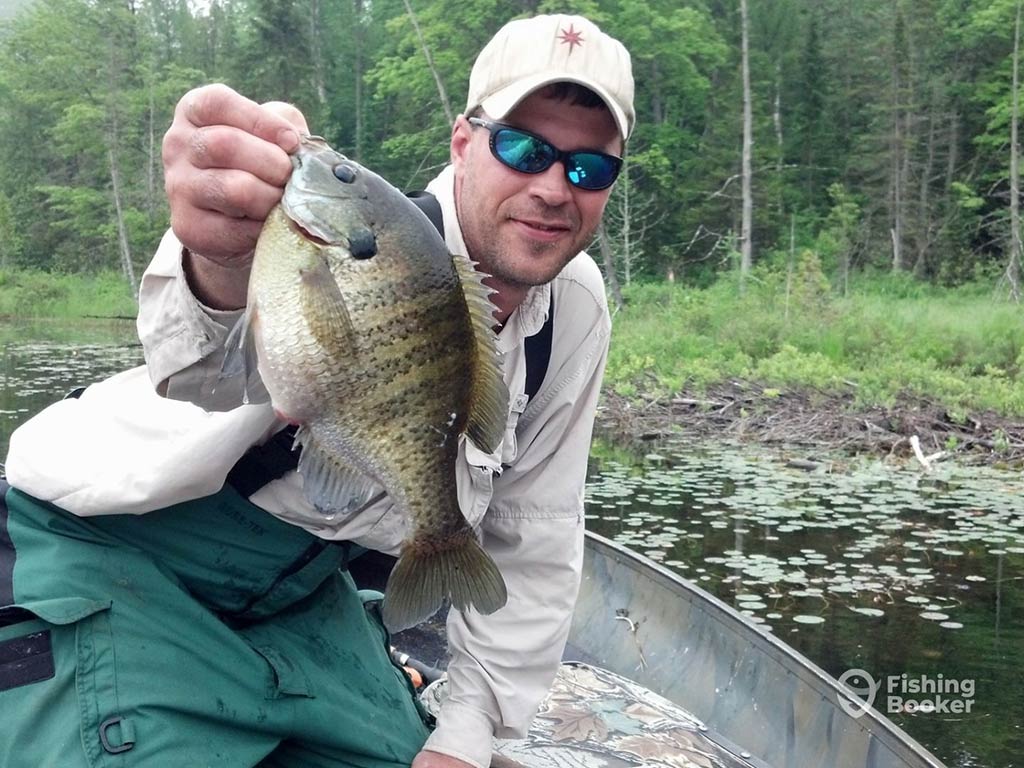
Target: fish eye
{"type": "Point", "coordinates": [344, 173]}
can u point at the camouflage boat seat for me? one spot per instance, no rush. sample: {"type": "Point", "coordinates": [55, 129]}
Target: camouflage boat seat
{"type": "Point", "coordinates": [593, 718]}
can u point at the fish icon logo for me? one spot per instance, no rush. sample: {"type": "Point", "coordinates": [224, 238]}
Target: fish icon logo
{"type": "Point", "coordinates": [862, 689]}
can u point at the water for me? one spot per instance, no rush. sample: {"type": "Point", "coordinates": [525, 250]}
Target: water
{"type": "Point", "coordinates": [41, 362]}
{"type": "Point", "coordinates": [866, 566]}
{"type": "Point", "coordinates": [912, 577]}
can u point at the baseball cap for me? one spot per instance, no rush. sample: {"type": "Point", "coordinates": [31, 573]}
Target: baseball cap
{"type": "Point", "coordinates": [528, 54]}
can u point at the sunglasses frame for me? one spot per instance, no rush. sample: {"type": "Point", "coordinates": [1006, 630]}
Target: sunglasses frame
{"type": "Point", "coordinates": [559, 155]}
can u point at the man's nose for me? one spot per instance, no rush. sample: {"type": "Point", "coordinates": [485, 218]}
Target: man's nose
{"type": "Point", "coordinates": [551, 185]}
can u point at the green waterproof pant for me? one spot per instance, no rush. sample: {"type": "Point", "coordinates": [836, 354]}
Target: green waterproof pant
{"type": "Point", "coordinates": [206, 634]}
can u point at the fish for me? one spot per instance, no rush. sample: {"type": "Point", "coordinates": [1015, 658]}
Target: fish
{"type": "Point", "coordinates": [378, 343]}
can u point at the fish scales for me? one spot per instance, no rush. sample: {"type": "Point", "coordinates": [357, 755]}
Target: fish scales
{"type": "Point", "coordinates": [376, 341]}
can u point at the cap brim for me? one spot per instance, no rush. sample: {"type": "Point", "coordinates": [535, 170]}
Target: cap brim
{"type": "Point", "coordinates": [504, 100]}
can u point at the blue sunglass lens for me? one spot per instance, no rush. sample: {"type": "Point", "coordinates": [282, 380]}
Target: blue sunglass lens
{"type": "Point", "coordinates": [590, 170]}
{"type": "Point", "coordinates": [522, 151]}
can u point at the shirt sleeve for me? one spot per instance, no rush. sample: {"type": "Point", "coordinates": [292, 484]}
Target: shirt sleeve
{"type": "Point", "coordinates": [184, 340]}
{"type": "Point", "coordinates": [502, 665]}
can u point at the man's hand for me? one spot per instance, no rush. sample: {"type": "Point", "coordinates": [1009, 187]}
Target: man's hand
{"type": "Point", "coordinates": [225, 166]}
{"type": "Point", "coordinates": [428, 759]}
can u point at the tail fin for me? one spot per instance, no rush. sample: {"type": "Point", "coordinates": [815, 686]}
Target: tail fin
{"type": "Point", "coordinates": [425, 575]}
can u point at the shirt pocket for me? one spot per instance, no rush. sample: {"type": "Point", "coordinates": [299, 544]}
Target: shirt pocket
{"type": "Point", "coordinates": [477, 469]}
{"type": "Point", "coordinates": [474, 478]}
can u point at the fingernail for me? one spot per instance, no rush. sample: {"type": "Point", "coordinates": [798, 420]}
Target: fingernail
{"type": "Point", "coordinates": [288, 139]}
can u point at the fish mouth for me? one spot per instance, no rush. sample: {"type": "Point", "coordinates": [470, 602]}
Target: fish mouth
{"type": "Point", "coordinates": [305, 233]}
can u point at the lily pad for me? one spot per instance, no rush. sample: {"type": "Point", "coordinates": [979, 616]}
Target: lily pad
{"type": "Point", "coordinates": [869, 611]}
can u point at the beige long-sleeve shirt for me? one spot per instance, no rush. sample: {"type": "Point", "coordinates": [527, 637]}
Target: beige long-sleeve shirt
{"type": "Point", "coordinates": [525, 499]}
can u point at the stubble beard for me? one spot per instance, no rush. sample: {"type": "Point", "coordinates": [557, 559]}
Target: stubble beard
{"type": "Point", "coordinates": [506, 267]}
{"type": "Point", "coordinates": [499, 258]}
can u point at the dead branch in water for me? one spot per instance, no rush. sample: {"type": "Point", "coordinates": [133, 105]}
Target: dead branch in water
{"type": "Point", "coordinates": [821, 420]}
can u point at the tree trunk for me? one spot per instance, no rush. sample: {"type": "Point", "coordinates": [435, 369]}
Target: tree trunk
{"type": "Point", "coordinates": [746, 245]}
{"type": "Point", "coordinates": [657, 106]}
{"type": "Point", "coordinates": [445, 103]}
{"type": "Point", "coordinates": [319, 66]}
{"type": "Point", "coordinates": [122, 232]}
{"type": "Point", "coordinates": [151, 159]}
{"type": "Point", "coordinates": [954, 150]}
{"type": "Point", "coordinates": [777, 122]}
{"type": "Point", "coordinates": [1013, 265]}
{"type": "Point", "coordinates": [609, 265]}
{"type": "Point", "coordinates": [896, 195]}
{"type": "Point", "coordinates": [924, 218]}
{"type": "Point", "coordinates": [116, 71]}
{"type": "Point", "coordinates": [896, 166]}
{"type": "Point", "coordinates": [359, 32]}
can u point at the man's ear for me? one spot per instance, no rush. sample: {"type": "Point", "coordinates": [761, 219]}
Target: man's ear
{"type": "Point", "coordinates": [462, 132]}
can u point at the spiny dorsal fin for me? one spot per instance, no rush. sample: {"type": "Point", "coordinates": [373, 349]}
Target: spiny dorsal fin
{"type": "Point", "coordinates": [488, 408]}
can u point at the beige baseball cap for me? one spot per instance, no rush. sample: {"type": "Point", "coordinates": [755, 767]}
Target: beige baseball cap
{"type": "Point", "coordinates": [528, 54]}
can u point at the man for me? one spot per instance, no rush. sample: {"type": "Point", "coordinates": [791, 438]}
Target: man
{"type": "Point", "coordinates": [207, 586]}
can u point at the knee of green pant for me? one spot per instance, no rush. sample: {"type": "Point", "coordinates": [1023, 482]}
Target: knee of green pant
{"type": "Point", "coordinates": [370, 596]}
{"type": "Point", "coordinates": [373, 602]}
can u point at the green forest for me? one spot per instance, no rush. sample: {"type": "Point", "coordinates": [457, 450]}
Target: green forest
{"type": "Point", "coordinates": [880, 130]}
{"type": "Point", "coordinates": [818, 193]}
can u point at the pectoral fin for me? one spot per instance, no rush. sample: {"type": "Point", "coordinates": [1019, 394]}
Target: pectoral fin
{"type": "Point", "coordinates": [325, 311]}
{"type": "Point", "coordinates": [240, 347]}
{"type": "Point", "coordinates": [488, 409]}
{"type": "Point", "coordinates": [240, 355]}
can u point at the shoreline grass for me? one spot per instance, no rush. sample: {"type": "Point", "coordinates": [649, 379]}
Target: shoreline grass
{"type": "Point", "coordinates": [961, 347]}
{"type": "Point", "coordinates": [34, 294]}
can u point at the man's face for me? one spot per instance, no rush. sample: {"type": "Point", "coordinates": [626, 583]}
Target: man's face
{"type": "Point", "coordinates": [523, 228]}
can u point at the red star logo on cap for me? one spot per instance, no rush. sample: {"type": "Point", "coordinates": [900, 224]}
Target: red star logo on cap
{"type": "Point", "coordinates": [572, 37]}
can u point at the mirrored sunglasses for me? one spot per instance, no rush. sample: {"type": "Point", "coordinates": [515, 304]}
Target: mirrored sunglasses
{"type": "Point", "coordinates": [524, 152]}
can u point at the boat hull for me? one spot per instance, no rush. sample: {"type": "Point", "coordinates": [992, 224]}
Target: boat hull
{"type": "Point", "coordinates": [640, 620]}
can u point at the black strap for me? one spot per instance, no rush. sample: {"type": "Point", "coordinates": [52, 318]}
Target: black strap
{"type": "Point", "coordinates": [428, 203]}
{"type": "Point", "coordinates": [264, 463]}
{"type": "Point", "coordinates": [538, 351]}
